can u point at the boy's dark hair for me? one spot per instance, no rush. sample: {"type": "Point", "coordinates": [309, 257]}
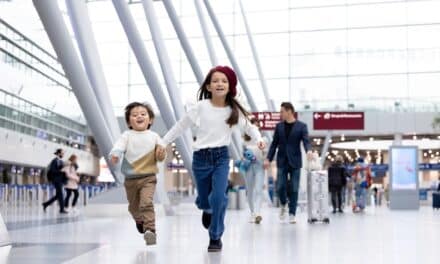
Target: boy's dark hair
{"type": "Point", "coordinates": [203, 93]}
{"type": "Point", "coordinates": [130, 106]}
{"type": "Point", "coordinates": [288, 106]}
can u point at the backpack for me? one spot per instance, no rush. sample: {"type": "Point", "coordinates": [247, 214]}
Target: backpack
{"type": "Point", "coordinates": [49, 173]}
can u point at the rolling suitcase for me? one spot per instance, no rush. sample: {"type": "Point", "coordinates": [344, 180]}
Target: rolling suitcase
{"type": "Point", "coordinates": [317, 197]}
{"type": "Point", "coordinates": [436, 200]}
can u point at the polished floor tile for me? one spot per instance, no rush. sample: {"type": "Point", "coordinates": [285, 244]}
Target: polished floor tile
{"type": "Point", "coordinates": [377, 236]}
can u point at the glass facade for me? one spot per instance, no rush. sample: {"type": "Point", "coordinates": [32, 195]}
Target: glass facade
{"type": "Point", "coordinates": [21, 52]}
{"type": "Point", "coordinates": [332, 54]}
{"type": "Point", "coordinates": [318, 54]}
{"type": "Point", "coordinates": [25, 117]}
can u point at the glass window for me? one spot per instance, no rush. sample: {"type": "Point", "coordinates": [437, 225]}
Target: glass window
{"type": "Point", "coordinates": [318, 18]}
{"type": "Point", "coordinates": [319, 64]}
{"type": "Point", "coordinates": [309, 91]}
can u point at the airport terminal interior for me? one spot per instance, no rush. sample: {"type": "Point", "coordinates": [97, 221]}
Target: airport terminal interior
{"type": "Point", "coordinates": [342, 111]}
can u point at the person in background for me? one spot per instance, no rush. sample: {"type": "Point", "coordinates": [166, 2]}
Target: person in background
{"type": "Point", "coordinates": [336, 181]}
{"type": "Point", "coordinates": [438, 184]}
{"type": "Point", "coordinates": [362, 181]}
{"type": "Point", "coordinates": [72, 182]}
{"type": "Point", "coordinates": [254, 177]}
{"type": "Point", "coordinates": [57, 177]}
{"type": "Point", "coordinates": [288, 135]}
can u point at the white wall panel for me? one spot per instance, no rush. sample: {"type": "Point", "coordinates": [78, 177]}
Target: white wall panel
{"type": "Point", "coordinates": [31, 151]}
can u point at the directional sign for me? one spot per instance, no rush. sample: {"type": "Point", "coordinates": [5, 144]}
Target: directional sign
{"type": "Point", "coordinates": [268, 120]}
{"type": "Point", "coordinates": [338, 120]}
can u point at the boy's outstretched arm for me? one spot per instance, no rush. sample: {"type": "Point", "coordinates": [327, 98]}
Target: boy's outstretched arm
{"type": "Point", "coordinates": [160, 153]}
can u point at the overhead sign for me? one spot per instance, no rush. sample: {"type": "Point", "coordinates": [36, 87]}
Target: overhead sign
{"type": "Point", "coordinates": [338, 120]}
{"type": "Point", "coordinates": [269, 120]}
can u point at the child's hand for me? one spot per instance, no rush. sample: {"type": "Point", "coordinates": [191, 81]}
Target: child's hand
{"type": "Point", "coordinates": [261, 145]}
{"type": "Point", "coordinates": [160, 153]}
{"type": "Point", "coordinates": [114, 159]}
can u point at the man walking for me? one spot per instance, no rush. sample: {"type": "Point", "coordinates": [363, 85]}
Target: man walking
{"type": "Point", "coordinates": [287, 138]}
{"type": "Point", "coordinates": [55, 175]}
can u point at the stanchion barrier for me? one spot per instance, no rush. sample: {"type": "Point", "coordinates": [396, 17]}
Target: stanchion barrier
{"type": "Point", "coordinates": [46, 191]}
{"type": "Point", "coordinates": [14, 194]}
{"type": "Point", "coordinates": [80, 201]}
{"type": "Point", "coordinates": [39, 197]}
{"type": "Point", "coordinates": [86, 195]}
{"type": "Point", "coordinates": [2, 192]}
{"type": "Point", "coordinates": [6, 196]}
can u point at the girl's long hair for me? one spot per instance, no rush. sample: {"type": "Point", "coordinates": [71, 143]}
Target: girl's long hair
{"type": "Point", "coordinates": [203, 93]}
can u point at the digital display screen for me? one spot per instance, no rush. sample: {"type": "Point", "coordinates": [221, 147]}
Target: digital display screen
{"type": "Point", "coordinates": [404, 171]}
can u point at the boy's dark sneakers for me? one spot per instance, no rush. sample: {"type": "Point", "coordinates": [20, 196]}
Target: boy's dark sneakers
{"type": "Point", "coordinates": [140, 227]}
{"type": "Point", "coordinates": [206, 219]}
{"type": "Point", "coordinates": [215, 245]}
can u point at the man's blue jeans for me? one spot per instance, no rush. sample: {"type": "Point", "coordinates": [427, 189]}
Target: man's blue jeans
{"type": "Point", "coordinates": [288, 188]}
{"type": "Point", "coordinates": [211, 170]}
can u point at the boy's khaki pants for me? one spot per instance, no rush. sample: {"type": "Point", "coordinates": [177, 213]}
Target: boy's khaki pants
{"type": "Point", "coordinates": [140, 200]}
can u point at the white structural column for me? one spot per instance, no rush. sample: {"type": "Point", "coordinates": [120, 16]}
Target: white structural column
{"type": "Point", "coordinates": [81, 24]}
{"type": "Point", "coordinates": [269, 102]}
{"type": "Point", "coordinates": [53, 23]}
{"type": "Point", "coordinates": [192, 60]}
{"type": "Point", "coordinates": [183, 40]}
{"type": "Point", "coordinates": [144, 61]}
{"type": "Point", "coordinates": [231, 56]}
{"type": "Point", "coordinates": [165, 64]}
{"type": "Point", "coordinates": [206, 34]}
{"type": "Point", "coordinates": [233, 61]}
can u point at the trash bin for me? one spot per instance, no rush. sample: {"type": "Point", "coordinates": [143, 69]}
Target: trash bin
{"type": "Point", "coordinates": [241, 198]}
{"type": "Point", "coordinates": [232, 199]}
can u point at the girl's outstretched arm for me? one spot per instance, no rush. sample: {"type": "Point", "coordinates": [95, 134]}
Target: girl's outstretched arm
{"type": "Point", "coordinates": [183, 124]}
